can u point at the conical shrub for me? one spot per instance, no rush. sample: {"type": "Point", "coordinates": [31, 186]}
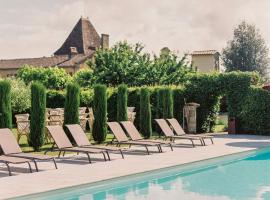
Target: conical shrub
{"type": "Point", "coordinates": [145, 113]}
{"type": "Point", "coordinates": [122, 97]}
{"type": "Point", "coordinates": [5, 105]}
{"type": "Point", "coordinates": [72, 103]}
{"type": "Point", "coordinates": [100, 113]}
{"type": "Point", "coordinates": [37, 122]}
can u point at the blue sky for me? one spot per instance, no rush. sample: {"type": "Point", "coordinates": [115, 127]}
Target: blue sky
{"type": "Point", "coordinates": [33, 28]}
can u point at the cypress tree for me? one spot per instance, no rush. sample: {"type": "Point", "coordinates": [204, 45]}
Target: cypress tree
{"type": "Point", "coordinates": [5, 105]}
{"type": "Point", "coordinates": [72, 103]}
{"type": "Point", "coordinates": [37, 122]}
{"type": "Point", "coordinates": [122, 97]}
{"type": "Point", "coordinates": [165, 97]}
{"type": "Point", "coordinates": [167, 103]}
{"type": "Point", "coordinates": [145, 113]}
{"type": "Point", "coordinates": [71, 110]}
{"type": "Point", "coordinates": [100, 113]}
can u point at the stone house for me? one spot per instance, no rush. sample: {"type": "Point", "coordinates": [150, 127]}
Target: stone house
{"type": "Point", "coordinates": [79, 46]}
{"type": "Point", "coordinates": [206, 61]}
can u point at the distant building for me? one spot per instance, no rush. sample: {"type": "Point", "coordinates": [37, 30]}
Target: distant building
{"type": "Point", "coordinates": [79, 46]}
{"type": "Point", "coordinates": [206, 61]}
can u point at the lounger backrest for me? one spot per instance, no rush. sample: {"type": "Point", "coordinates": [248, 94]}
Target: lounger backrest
{"type": "Point", "coordinates": [167, 131]}
{"type": "Point", "coordinates": [131, 130]}
{"type": "Point", "coordinates": [176, 126]}
{"type": "Point", "coordinates": [59, 136]}
{"type": "Point", "coordinates": [78, 134]}
{"type": "Point", "coordinates": [118, 131]}
{"type": "Point", "coordinates": [8, 142]}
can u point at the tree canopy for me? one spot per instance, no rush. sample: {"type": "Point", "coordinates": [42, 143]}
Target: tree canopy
{"type": "Point", "coordinates": [247, 50]}
{"type": "Point", "coordinates": [129, 64]}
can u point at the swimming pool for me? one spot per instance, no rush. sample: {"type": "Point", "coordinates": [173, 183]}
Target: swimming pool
{"type": "Point", "coordinates": [239, 176]}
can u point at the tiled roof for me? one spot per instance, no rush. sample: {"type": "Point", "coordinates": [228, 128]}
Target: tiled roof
{"type": "Point", "coordinates": [83, 36]}
{"type": "Point", "coordinates": [77, 59]}
{"type": "Point", "coordinates": [204, 52]}
{"type": "Point", "coordinates": [42, 62]}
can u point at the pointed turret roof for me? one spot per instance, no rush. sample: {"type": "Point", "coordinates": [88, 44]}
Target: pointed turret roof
{"type": "Point", "coordinates": [83, 36]}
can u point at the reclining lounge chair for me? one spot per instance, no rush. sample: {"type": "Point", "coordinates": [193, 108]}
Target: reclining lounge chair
{"type": "Point", "coordinates": [179, 131]}
{"type": "Point", "coordinates": [81, 139]}
{"type": "Point", "coordinates": [121, 138]}
{"type": "Point", "coordinates": [11, 148]}
{"type": "Point", "coordinates": [64, 145]}
{"type": "Point", "coordinates": [168, 132]}
{"type": "Point", "coordinates": [7, 160]}
{"type": "Point", "coordinates": [135, 135]}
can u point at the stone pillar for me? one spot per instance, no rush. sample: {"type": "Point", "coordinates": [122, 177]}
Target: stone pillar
{"type": "Point", "coordinates": [190, 114]}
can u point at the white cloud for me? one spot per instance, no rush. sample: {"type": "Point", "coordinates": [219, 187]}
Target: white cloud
{"type": "Point", "coordinates": [32, 28]}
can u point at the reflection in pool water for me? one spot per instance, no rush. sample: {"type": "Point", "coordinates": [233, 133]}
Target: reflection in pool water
{"type": "Point", "coordinates": [242, 178]}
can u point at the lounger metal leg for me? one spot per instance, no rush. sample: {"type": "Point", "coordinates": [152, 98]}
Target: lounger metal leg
{"type": "Point", "coordinates": [64, 153]}
{"type": "Point", "coordinates": [59, 154]}
{"type": "Point", "coordinates": [107, 152]}
{"type": "Point", "coordinates": [192, 143]}
{"type": "Point", "coordinates": [212, 140]}
{"type": "Point", "coordinates": [121, 153]}
{"type": "Point", "coordinates": [35, 162]}
{"type": "Point", "coordinates": [104, 156]}
{"type": "Point", "coordinates": [171, 146]}
{"type": "Point", "coordinates": [30, 168]}
{"type": "Point", "coordinates": [89, 157]}
{"type": "Point", "coordinates": [160, 149]}
{"type": "Point", "coordinates": [8, 168]}
{"type": "Point", "coordinates": [147, 150]}
{"type": "Point", "coordinates": [54, 163]}
{"type": "Point", "coordinates": [203, 142]}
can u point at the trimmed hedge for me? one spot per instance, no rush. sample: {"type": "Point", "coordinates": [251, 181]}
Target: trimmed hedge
{"type": "Point", "coordinates": [100, 113]}
{"type": "Point", "coordinates": [37, 122]}
{"type": "Point", "coordinates": [204, 89]}
{"type": "Point", "coordinates": [255, 116]}
{"type": "Point", "coordinates": [122, 97]}
{"type": "Point", "coordinates": [5, 105]}
{"type": "Point", "coordinates": [145, 111]}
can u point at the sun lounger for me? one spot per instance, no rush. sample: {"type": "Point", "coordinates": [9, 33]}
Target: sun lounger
{"type": "Point", "coordinates": [81, 139]}
{"type": "Point", "coordinates": [121, 138]}
{"type": "Point", "coordinates": [168, 132]}
{"type": "Point", "coordinates": [11, 148]}
{"type": "Point", "coordinates": [7, 160]}
{"type": "Point", "coordinates": [136, 136]}
{"type": "Point", "coordinates": [64, 145]}
{"type": "Point", "coordinates": [179, 131]}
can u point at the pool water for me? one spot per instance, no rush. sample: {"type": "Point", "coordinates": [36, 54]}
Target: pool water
{"type": "Point", "coordinates": [240, 176]}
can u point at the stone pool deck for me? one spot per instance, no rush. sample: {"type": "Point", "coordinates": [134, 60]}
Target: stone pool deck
{"type": "Point", "coordinates": [75, 170]}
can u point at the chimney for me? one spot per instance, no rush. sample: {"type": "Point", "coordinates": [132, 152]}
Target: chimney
{"type": "Point", "coordinates": [104, 43]}
{"type": "Point", "coordinates": [73, 51]}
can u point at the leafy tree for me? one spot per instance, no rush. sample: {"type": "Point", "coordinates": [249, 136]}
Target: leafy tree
{"type": "Point", "coordinates": [51, 77]}
{"type": "Point", "coordinates": [122, 97]}
{"type": "Point", "coordinates": [123, 63]}
{"type": "Point", "coordinates": [247, 51]}
{"type": "Point", "coordinates": [5, 105]}
{"type": "Point", "coordinates": [167, 68]}
{"type": "Point", "coordinates": [37, 122]}
{"type": "Point", "coordinates": [84, 77]}
{"type": "Point", "coordinates": [20, 96]}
